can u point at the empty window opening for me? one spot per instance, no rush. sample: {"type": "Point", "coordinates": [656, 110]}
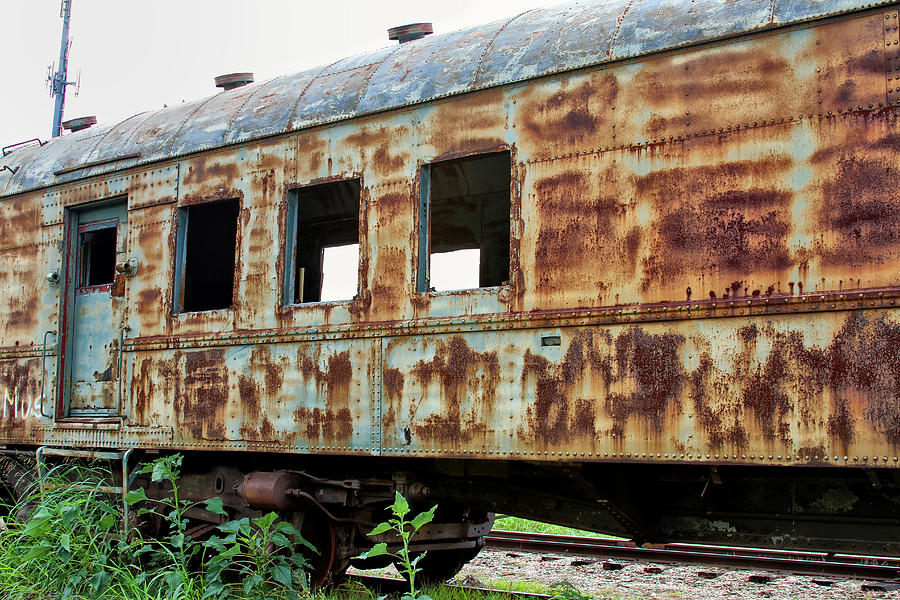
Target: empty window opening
{"type": "Point", "coordinates": [340, 275]}
{"type": "Point", "coordinates": [208, 239]}
{"type": "Point", "coordinates": [97, 253]}
{"type": "Point", "coordinates": [455, 270]}
{"type": "Point", "coordinates": [468, 222]}
{"type": "Point", "coordinates": [325, 243]}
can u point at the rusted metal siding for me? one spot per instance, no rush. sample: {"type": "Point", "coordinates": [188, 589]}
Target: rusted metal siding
{"type": "Point", "coordinates": [803, 389]}
{"type": "Point", "coordinates": [306, 396]}
{"type": "Point", "coordinates": [715, 256]}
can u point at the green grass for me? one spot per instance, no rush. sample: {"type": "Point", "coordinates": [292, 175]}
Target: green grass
{"type": "Point", "coordinates": [70, 549]}
{"type": "Point", "coordinates": [524, 525]}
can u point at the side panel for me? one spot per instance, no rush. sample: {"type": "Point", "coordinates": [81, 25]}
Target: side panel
{"type": "Point", "coordinates": [800, 388]}
{"type": "Point", "coordinates": [313, 396]}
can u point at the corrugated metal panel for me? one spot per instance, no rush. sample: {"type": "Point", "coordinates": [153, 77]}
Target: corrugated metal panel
{"type": "Point", "coordinates": [532, 44]}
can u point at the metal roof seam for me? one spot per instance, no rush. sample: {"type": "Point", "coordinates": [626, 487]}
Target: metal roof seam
{"type": "Point", "coordinates": [365, 85]}
{"type": "Point", "coordinates": [104, 135]}
{"type": "Point", "coordinates": [771, 19]}
{"type": "Point", "coordinates": [288, 125]}
{"type": "Point", "coordinates": [259, 88]}
{"type": "Point", "coordinates": [184, 122]}
{"type": "Point", "coordinates": [487, 47]}
{"type": "Point", "coordinates": [149, 114]}
{"type": "Point", "coordinates": [615, 35]}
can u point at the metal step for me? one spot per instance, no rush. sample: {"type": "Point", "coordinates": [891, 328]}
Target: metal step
{"type": "Point", "coordinates": [109, 455]}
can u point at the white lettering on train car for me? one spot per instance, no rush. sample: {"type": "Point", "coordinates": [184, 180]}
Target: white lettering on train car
{"type": "Point", "coordinates": [16, 407]}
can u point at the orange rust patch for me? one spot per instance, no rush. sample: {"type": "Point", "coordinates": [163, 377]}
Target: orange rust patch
{"type": "Point", "coordinates": [202, 407]}
{"type": "Point", "coordinates": [720, 224]}
{"type": "Point", "coordinates": [467, 380]}
{"type": "Point", "coordinates": [333, 423]}
{"type": "Point", "coordinates": [571, 115]}
{"type": "Point", "coordinates": [481, 128]}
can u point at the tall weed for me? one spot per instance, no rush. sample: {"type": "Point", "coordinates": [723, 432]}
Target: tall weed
{"type": "Point", "coordinates": [70, 547]}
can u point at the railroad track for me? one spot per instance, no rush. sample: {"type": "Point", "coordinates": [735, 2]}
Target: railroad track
{"type": "Point", "coordinates": [795, 562]}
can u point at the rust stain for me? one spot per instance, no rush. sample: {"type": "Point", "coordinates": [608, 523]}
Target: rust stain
{"type": "Point", "coordinates": [864, 359]}
{"type": "Point", "coordinates": [859, 205]}
{"type": "Point", "coordinates": [201, 409]}
{"type": "Point", "coordinates": [652, 362]}
{"type": "Point", "coordinates": [393, 384]}
{"type": "Point", "coordinates": [551, 419]}
{"type": "Point", "coordinates": [333, 423]}
{"type": "Point", "coordinates": [574, 114]}
{"type": "Point", "coordinates": [379, 149]}
{"type": "Point", "coordinates": [723, 426]}
{"type": "Point", "coordinates": [311, 149]}
{"type": "Point", "coordinates": [578, 223]}
{"type": "Point", "coordinates": [725, 225]}
{"type": "Point", "coordinates": [204, 171]}
{"type": "Point", "coordinates": [468, 380]}
{"type": "Point", "coordinates": [480, 130]}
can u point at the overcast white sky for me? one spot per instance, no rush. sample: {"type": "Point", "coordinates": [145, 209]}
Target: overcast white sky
{"type": "Point", "coordinates": [135, 56]}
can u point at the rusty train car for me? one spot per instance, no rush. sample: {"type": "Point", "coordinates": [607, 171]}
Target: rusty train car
{"type": "Point", "coordinates": [626, 266]}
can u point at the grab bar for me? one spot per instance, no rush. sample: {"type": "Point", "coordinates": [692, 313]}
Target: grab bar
{"type": "Point", "coordinates": [44, 371]}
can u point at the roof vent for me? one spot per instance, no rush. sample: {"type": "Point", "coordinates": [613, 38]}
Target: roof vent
{"type": "Point", "coordinates": [79, 123]}
{"type": "Point", "coordinates": [408, 33]}
{"type": "Point", "coordinates": [233, 80]}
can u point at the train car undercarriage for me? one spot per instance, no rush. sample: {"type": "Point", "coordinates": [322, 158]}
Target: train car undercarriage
{"type": "Point", "coordinates": [335, 502]}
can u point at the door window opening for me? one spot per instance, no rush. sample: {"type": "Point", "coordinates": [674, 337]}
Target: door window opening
{"type": "Point", "coordinates": [97, 253]}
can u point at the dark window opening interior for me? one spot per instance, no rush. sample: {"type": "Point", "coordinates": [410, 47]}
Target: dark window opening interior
{"type": "Point", "coordinates": [97, 257]}
{"type": "Point", "coordinates": [209, 253]}
{"type": "Point", "coordinates": [326, 237]}
{"type": "Point", "coordinates": [469, 222]}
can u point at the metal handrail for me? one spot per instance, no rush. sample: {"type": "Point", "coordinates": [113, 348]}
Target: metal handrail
{"type": "Point", "coordinates": [8, 149]}
{"type": "Point", "coordinates": [44, 371]}
{"type": "Point", "coordinates": [122, 331]}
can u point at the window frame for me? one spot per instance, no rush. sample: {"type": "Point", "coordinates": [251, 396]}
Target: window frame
{"type": "Point", "coordinates": [90, 227]}
{"type": "Point", "coordinates": [182, 225]}
{"type": "Point", "coordinates": [423, 214]}
{"type": "Point", "coordinates": [291, 221]}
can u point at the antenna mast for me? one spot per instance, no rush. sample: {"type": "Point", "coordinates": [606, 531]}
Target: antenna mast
{"type": "Point", "coordinates": [58, 81]}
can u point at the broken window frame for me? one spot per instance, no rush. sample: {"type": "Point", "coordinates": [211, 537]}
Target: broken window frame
{"type": "Point", "coordinates": [423, 270]}
{"type": "Point", "coordinates": [291, 254]}
{"type": "Point", "coordinates": [181, 237]}
{"type": "Point", "coordinates": [82, 262]}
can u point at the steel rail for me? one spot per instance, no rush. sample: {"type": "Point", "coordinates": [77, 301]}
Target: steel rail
{"type": "Point", "coordinates": [796, 562]}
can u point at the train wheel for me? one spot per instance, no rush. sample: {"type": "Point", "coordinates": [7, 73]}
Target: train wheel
{"type": "Point", "coordinates": [326, 566]}
{"type": "Point", "coordinates": [437, 566]}
{"type": "Point", "coordinates": [19, 482]}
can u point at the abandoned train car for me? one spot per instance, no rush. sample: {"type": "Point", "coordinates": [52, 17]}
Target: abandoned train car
{"type": "Point", "coordinates": [627, 266]}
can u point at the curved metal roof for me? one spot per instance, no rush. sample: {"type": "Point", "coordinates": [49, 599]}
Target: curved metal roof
{"type": "Point", "coordinates": [531, 44]}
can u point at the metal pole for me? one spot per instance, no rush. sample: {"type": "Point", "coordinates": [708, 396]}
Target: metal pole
{"type": "Point", "coordinates": [59, 82]}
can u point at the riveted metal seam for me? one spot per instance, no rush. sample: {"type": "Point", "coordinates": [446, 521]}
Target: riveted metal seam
{"type": "Point", "coordinates": [184, 122]}
{"type": "Point", "coordinates": [300, 96]}
{"type": "Point", "coordinates": [487, 47]}
{"type": "Point", "coordinates": [250, 96]}
{"type": "Point", "coordinates": [377, 408]}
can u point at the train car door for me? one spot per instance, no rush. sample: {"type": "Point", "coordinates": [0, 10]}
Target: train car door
{"type": "Point", "coordinates": [94, 311]}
